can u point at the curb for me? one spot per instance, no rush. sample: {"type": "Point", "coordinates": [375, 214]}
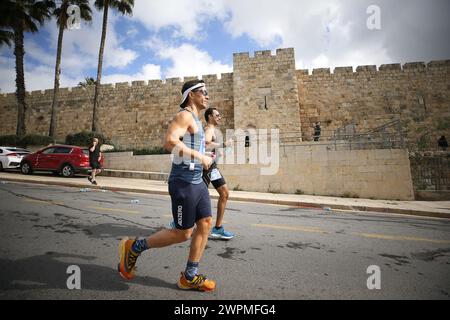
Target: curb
{"type": "Point", "coordinates": [320, 206]}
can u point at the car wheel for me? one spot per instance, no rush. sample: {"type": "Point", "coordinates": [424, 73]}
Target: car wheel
{"type": "Point", "coordinates": [67, 171]}
{"type": "Point", "coordinates": [1, 166]}
{"type": "Point", "coordinates": [25, 168]}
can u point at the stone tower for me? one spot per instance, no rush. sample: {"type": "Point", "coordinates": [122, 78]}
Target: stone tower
{"type": "Point", "coordinates": [266, 93]}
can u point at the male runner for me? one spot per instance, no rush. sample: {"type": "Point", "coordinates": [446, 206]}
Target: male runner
{"type": "Point", "coordinates": [213, 175]}
{"type": "Point", "coordinates": [191, 204]}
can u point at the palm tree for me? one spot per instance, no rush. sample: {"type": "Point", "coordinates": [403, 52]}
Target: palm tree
{"type": "Point", "coordinates": [61, 21]}
{"type": "Point", "coordinates": [6, 37]}
{"type": "Point", "coordinates": [124, 7]}
{"type": "Point", "coordinates": [88, 81]}
{"type": "Point", "coordinates": [22, 16]}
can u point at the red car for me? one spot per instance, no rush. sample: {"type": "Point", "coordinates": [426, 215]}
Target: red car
{"type": "Point", "coordinates": [59, 159]}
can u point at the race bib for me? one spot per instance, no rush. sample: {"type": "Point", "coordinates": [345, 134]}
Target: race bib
{"type": "Point", "coordinates": [215, 175]}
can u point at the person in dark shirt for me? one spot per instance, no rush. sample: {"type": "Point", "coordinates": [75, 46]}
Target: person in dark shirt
{"type": "Point", "coordinates": [94, 160]}
{"type": "Point", "coordinates": [442, 143]}
{"type": "Point", "coordinates": [317, 131]}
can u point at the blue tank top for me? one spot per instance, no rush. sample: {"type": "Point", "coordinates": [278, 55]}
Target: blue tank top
{"type": "Point", "coordinates": [187, 169]}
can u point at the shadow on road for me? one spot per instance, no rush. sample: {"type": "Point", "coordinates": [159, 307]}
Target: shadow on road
{"type": "Point", "coordinates": [47, 272]}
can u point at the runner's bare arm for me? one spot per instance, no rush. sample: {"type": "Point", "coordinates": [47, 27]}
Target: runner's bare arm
{"type": "Point", "coordinates": [178, 128]}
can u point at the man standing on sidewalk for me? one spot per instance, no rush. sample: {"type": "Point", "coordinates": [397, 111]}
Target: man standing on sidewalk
{"type": "Point", "coordinates": [213, 175]}
{"type": "Point", "coordinates": [191, 204]}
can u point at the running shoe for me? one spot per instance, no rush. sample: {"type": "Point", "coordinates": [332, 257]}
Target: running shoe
{"type": "Point", "coordinates": [172, 225]}
{"type": "Point", "coordinates": [127, 264]}
{"type": "Point", "coordinates": [199, 283]}
{"type": "Point", "coordinates": [90, 179]}
{"type": "Point", "coordinates": [220, 234]}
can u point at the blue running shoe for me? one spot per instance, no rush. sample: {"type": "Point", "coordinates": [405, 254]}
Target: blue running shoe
{"type": "Point", "coordinates": [172, 225]}
{"type": "Point", "coordinates": [220, 234]}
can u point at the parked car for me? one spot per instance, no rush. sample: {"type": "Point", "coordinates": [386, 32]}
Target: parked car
{"type": "Point", "coordinates": [11, 157]}
{"type": "Point", "coordinates": [59, 159]}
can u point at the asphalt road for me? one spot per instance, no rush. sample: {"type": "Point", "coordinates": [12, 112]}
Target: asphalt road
{"type": "Point", "coordinates": [279, 252]}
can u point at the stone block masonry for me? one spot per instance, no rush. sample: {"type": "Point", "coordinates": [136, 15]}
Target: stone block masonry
{"type": "Point", "coordinates": [134, 115]}
{"type": "Point", "coordinates": [418, 95]}
{"type": "Point", "coordinates": [264, 91]}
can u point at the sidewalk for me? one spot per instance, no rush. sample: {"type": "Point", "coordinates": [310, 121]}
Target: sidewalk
{"type": "Point", "coordinates": [439, 209]}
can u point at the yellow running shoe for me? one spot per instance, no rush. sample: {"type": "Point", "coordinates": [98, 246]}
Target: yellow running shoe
{"type": "Point", "coordinates": [127, 264]}
{"type": "Point", "coordinates": [200, 283]}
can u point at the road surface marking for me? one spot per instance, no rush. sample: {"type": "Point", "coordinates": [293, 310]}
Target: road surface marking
{"type": "Point", "coordinates": [364, 235]}
{"type": "Point", "coordinates": [113, 210]}
{"type": "Point", "coordinates": [295, 228]}
{"type": "Point", "coordinates": [399, 238]}
{"type": "Point", "coordinates": [44, 201]}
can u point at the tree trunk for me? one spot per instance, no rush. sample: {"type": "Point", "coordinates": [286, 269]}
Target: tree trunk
{"type": "Point", "coordinates": [95, 124]}
{"type": "Point", "coordinates": [19, 52]}
{"type": "Point", "coordinates": [53, 119]}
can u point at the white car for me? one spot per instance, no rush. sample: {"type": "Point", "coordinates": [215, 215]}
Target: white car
{"type": "Point", "coordinates": [11, 157]}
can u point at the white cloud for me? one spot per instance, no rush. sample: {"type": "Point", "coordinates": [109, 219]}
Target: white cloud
{"type": "Point", "coordinates": [7, 75]}
{"type": "Point", "coordinates": [79, 55]}
{"type": "Point", "coordinates": [184, 18]}
{"type": "Point", "coordinates": [42, 77]}
{"type": "Point", "coordinates": [188, 60]}
{"type": "Point", "coordinates": [37, 77]}
{"type": "Point", "coordinates": [148, 72]}
{"type": "Point", "coordinates": [324, 34]}
{"type": "Point", "coordinates": [81, 46]}
{"type": "Point", "coordinates": [337, 30]}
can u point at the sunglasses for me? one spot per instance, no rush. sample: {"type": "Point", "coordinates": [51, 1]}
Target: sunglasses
{"type": "Point", "coordinates": [203, 92]}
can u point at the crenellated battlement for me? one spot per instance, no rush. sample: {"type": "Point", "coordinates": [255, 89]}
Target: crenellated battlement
{"type": "Point", "coordinates": [261, 85]}
{"type": "Point", "coordinates": [169, 82]}
{"type": "Point", "coordinates": [244, 57]}
{"type": "Point", "coordinates": [372, 69]}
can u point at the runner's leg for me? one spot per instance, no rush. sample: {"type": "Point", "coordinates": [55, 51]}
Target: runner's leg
{"type": "Point", "coordinates": [224, 194]}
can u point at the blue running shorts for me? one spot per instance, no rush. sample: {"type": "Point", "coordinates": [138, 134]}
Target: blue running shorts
{"type": "Point", "coordinates": [190, 203]}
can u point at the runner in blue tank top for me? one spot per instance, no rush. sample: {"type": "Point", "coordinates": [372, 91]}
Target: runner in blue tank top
{"type": "Point", "coordinates": [191, 204]}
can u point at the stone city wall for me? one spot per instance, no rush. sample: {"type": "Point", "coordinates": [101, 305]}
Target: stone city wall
{"type": "Point", "coordinates": [417, 94]}
{"type": "Point", "coordinates": [264, 91]}
{"type": "Point", "coordinates": [133, 115]}
{"type": "Point", "coordinates": [305, 169]}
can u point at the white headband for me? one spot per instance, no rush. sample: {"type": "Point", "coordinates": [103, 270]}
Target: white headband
{"type": "Point", "coordinates": [186, 93]}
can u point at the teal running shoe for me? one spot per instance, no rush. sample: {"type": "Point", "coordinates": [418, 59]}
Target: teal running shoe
{"type": "Point", "coordinates": [220, 234]}
{"type": "Point", "coordinates": [172, 225]}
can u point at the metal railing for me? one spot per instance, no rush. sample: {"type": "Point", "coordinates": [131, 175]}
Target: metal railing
{"type": "Point", "coordinates": [430, 170]}
{"type": "Point", "coordinates": [387, 136]}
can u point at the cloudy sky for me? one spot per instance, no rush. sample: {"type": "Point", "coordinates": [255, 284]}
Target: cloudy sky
{"type": "Point", "coordinates": [177, 38]}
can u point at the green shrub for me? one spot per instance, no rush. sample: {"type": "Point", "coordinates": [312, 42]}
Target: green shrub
{"type": "Point", "coordinates": [35, 140]}
{"type": "Point", "coordinates": [25, 141]}
{"type": "Point", "coordinates": [443, 124]}
{"type": "Point", "coordinates": [84, 139]}
{"type": "Point", "coordinates": [8, 141]}
{"type": "Point", "coordinates": [424, 142]}
{"type": "Point", "coordinates": [150, 151]}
